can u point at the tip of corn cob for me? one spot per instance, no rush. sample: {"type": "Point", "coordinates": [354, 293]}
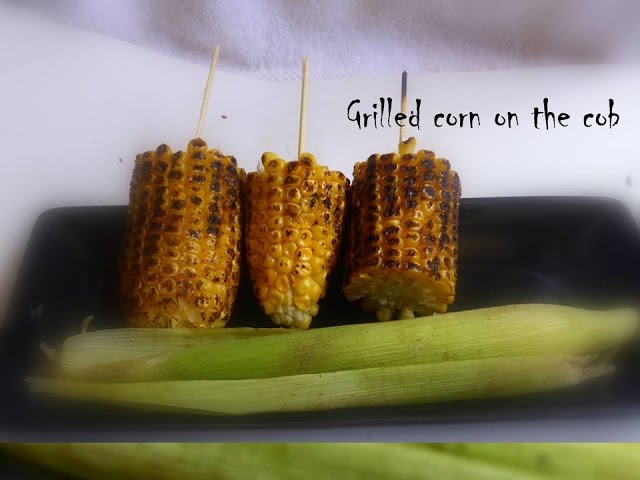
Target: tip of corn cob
{"type": "Point", "coordinates": [293, 228]}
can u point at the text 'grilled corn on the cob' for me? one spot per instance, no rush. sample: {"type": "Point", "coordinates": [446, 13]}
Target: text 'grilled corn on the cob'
{"type": "Point", "coordinates": [181, 264]}
{"type": "Point", "coordinates": [294, 224]}
{"type": "Point", "coordinates": [403, 240]}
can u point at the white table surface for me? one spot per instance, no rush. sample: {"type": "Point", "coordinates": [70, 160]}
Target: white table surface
{"type": "Point", "coordinates": [75, 108]}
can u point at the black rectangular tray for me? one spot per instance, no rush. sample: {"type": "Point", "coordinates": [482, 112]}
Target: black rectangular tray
{"type": "Point", "coordinates": [567, 250]}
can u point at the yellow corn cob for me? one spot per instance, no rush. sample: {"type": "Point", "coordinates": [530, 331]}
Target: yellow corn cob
{"type": "Point", "coordinates": [403, 249]}
{"type": "Point", "coordinates": [294, 225]}
{"type": "Point", "coordinates": [181, 264]}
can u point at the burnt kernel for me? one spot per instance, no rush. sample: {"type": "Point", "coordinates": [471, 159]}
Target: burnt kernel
{"type": "Point", "coordinates": [198, 178]}
{"type": "Point", "coordinates": [291, 166]}
{"type": "Point", "coordinates": [171, 229]}
{"type": "Point", "coordinates": [412, 224]}
{"type": "Point", "coordinates": [430, 238]}
{"type": "Point", "coordinates": [162, 166]}
{"type": "Point", "coordinates": [389, 189]}
{"type": "Point", "coordinates": [213, 230]}
{"type": "Point", "coordinates": [410, 192]}
{"type": "Point", "coordinates": [198, 156]}
{"type": "Point", "coordinates": [146, 155]}
{"type": "Point", "coordinates": [372, 217]}
{"type": "Point", "coordinates": [390, 198]}
{"type": "Point", "coordinates": [433, 265]}
{"type": "Point", "coordinates": [162, 149]}
{"type": "Point", "coordinates": [158, 213]}
{"type": "Point", "coordinates": [446, 195]}
{"type": "Point", "coordinates": [375, 250]}
{"type": "Point", "coordinates": [429, 191]}
{"type": "Point", "coordinates": [409, 181]}
{"type": "Point", "coordinates": [429, 177]}
{"type": "Point", "coordinates": [387, 157]}
{"type": "Point", "coordinates": [215, 187]}
{"type": "Point", "coordinates": [233, 160]}
{"type": "Point", "coordinates": [304, 160]}
{"type": "Point", "coordinates": [214, 219]}
{"type": "Point", "coordinates": [392, 252]}
{"type": "Point", "coordinates": [155, 226]}
{"type": "Point", "coordinates": [447, 262]}
{"type": "Point", "coordinates": [411, 266]}
{"type": "Point", "coordinates": [410, 252]}
{"type": "Point", "coordinates": [391, 230]}
{"type": "Point", "coordinates": [176, 175]}
{"type": "Point", "coordinates": [231, 170]}
{"type": "Point", "coordinates": [372, 238]}
{"type": "Point", "coordinates": [327, 203]}
{"type": "Point", "coordinates": [446, 164]}
{"type": "Point", "coordinates": [444, 207]}
{"type": "Point", "coordinates": [411, 204]}
{"type": "Point", "coordinates": [389, 179]}
{"type": "Point", "coordinates": [196, 200]}
{"type": "Point", "coordinates": [327, 218]}
{"type": "Point", "coordinates": [390, 264]}
{"type": "Point", "coordinates": [232, 193]}
{"type": "Point", "coordinates": [392, 240]}
{"type": "Point", "coordinates": [391, 211]}
{"type": "Point", "coordinates": [216, 165]}
{"type": "Point", "coordinates": [197, 143]}
{"type": "Point", "coordinates": [198, 168]}
{"type": "Point", "coordinates": [389, 167]}
{"type": "Point", "coordinates": [409, 170]}
{"type": "Point", "coordinates": [428, 163]}
{"type": "Point", "coordinates": [289, 179]}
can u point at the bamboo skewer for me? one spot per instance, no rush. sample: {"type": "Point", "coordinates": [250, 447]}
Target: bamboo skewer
{"type": "Point", "coordinates": [207, 91]}
{"type": "Point", "coordinates": [303, 107]}
{"type": "Point", "coordinates": [403, 104]}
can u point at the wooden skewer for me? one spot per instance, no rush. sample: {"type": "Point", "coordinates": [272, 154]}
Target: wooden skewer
{"type": "Point", "coordinates": [207, 91]}
{"type": "Point", "coordinates": [403, 104]}
{"type": "Point", "coordinates": [303, 107]}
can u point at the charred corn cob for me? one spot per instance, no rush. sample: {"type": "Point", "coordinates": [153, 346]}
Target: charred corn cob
{"type": "Point", "coordinates": [181, 264]}
{"type": "Point", "coordinates": [294, 225]}
{"type": "Point", "coordinates": [402, 250]}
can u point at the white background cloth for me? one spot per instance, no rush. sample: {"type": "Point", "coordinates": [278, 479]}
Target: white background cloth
{"type": "Point", "coordinates": [267, 38]}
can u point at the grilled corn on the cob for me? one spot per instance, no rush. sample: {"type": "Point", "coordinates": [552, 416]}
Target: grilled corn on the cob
{"type": "Point", "coordinates": [181, 264]}
{"type": "Point", "coordinates": [402, 249]}
{"type": "Point", "coordinates": [294, 225]}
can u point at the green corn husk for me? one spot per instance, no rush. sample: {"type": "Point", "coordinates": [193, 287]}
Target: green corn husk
{"type": "Point", "coordinates": [518, 330]}
{"type": "Point", "coordinates": [87, 350]}
{"type": "Point", "coordinates": [563, 461]}
{"type": "Point", "coordinates": [272, 461]}
{"type": "Point", "coordinates": [409, 384]}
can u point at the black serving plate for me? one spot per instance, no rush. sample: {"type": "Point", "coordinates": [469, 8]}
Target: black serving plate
{"type": "Point", "coordinates": [567, 250]}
